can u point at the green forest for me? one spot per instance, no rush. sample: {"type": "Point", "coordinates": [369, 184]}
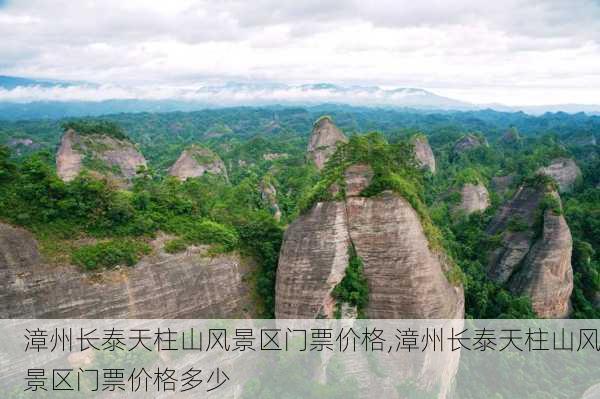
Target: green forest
{"type": "Point", "coordinates": [259, 144]}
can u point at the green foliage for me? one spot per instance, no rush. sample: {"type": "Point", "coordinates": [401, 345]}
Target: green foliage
{"type": "Point", "coordinates": [88, 127]}
{"type": "Point", "coordinates": [109, 254]}
{"type": "Point", "coordinates": [468, 176]}
{"type": "Point", "coordinates": [516, 223]}
{"type": "Point", "coordinates": [353, 289]}
{"type": "Point", "coordinates": [175, 245]}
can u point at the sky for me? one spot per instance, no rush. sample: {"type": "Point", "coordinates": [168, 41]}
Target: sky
{"type": "Point", "coordinates": [514, 52]}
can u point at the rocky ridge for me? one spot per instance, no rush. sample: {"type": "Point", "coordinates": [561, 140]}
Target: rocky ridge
{"type": "Point", "coordinates": [103, 155]}
{"type": "Point", "coordinates": [323, 141]}
{"type": "Point", "coordinates": [191, 284]}
{"type": "Point", "coordinates": [195, 161]}
{"type": "Point", "coordinates": [468, 142]}
{"type": "Point", "coordinates": [405, 276]}
{"type": "Point", "coordinates": [532, 263]}
{"type": "Point", "coordinates": [423, 153]}
{"type": "Point", "coordinates": [564, 171]}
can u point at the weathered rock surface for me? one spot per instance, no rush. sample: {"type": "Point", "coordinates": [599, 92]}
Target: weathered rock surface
{"type": "Point", "coordinates": [564, 170]}
{"type": "Point", "coordinates": [546, 276]}
{"type": "Point", "coordinates": [405, 277]}
{"type": "Point", "coordinates": [357, 177]}
{"type": "Point", "coordinates": [195, 161]}
{"type": "Point", "coordinates": [537, 266]}
{"type": "Point", "coordinates": [473, 198]}
{"type": "Point", "coordinates": [312, 261]}
{"type": "Point", "coordinates": [113, 158]}
{"type": "Point", "coordinates": [269, 195]}
{"type": "Point", "coordinates": [161, 285]}
{"type": "Point", "coordinates": [323, 141]}
{"type": "Point", "coordinates": [424, 154]}
{"type": "Point", "coordinates": [468, 142]}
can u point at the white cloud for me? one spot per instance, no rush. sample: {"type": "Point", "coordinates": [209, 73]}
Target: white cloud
{"type": "Point", "coordinates": [508, 51]}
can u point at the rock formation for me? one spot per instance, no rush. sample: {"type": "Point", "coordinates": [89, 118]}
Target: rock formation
{"type": "Point", "coordinates": [323, 141]}
{"type": "Point", "coordinates": [535, 264]}
{"type": "Point", "coordinates": [473, 198]}
{"type": "Point", "coordinates": [423, 153]}
{"type": "Point", "coordinates": [195, 161]}
{"type": "Point", "coordinates": [161, 285]}
{"type": "Point", "coordinates": [269, 195]}
{"type": "Point", "coordinates": [405, 277]}
{"type": "Point", "coordinates": [107, 156]}
{"type": "Point", "coordinates": [468, 142]}
{"type": "Point", "coordinates": [564, 170]}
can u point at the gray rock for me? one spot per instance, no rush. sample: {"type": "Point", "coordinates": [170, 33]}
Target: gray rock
{"type": "Point", "coordinates": [473, 198]}
{"type": "Point", "coordinates": [565, 171]}
{"type": "Point", "coordinates": [539, 267]}
{"type": "Point", "coordinates": [323, 141]}
{"type": "Point", "coordinates": [312, 261]}
{"type": "Point", "coordinates": [185, 285]}
{"type": "Point", "coordinates": [468, 142]}
{"type": "Point", "coordinates": [195, 161]}
{"type": "Point", "coordinates": [269, 195]}
{"type": "Point", "coordinates": [357, 177]}
{"type": "Point", "coordinates": [120, 159]}
{"type": "Point", "coordinates": [405, 277]}
{"type": "Point", "coordinates": [424, 154]}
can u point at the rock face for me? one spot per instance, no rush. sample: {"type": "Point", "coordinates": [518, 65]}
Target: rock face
{"type": "Point", "coordinates": [473, 198]}
{"type": "Point", "coordinates": [161, 285]}
{"type": "Point", "coordinates": [468, 142]}
{"type": "Point", "coordinates": [424, 154]}
{"type": "Point", "coordinates": [565, 171]}
{"type": "Point", "coordinates": [405, 277]}
{"type": "Point", "coordinates": [536, 266]}
{"type": "Point", "coordinates": [113, 158]}
{"type": "Point", "coordinates": [195, 162]}
{"type": "Point", "coordinates": [323, 141]}
{"type": "Point", "coordinates": [269, 195]}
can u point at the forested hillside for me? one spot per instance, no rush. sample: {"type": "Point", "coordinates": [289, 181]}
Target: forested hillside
{"type": "Point", "coordinates": [95, 224]}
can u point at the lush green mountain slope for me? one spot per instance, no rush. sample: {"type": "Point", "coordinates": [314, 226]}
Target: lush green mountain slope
{"type": "Point", "coordinates": [270, 143]}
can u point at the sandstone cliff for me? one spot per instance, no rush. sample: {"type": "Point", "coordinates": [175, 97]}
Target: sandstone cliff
{"type": "Point", "coordinates": [323, 140]}
{"type": "Point", "coordinates": [405, 277]}
{"type": "Point", "coordinates": [161, 285]}
{"type": "Point", "coordinates": [269, 196]}
{"type": "Point", "coordinates": [534, 263]}
{"type": "Point", "coordinates": [423, 153]}
{"type": "Point", "coordinates": [468, 142]}
{"type": "Point", "coordinates": [116, 159]}
{"type": "Point", "coordinates": [195, 161]}
{"type": "Point", "coordinates": [565, 171]}
{"type": "Point", "coordinates": [473, 198]}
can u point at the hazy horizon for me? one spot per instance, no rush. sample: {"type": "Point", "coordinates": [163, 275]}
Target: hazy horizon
{"type": "Point", "coordinates": [518, 53]}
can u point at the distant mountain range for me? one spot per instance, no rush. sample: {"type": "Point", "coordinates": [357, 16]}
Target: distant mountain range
{"type": "Point", "coordinates": [24, 98]}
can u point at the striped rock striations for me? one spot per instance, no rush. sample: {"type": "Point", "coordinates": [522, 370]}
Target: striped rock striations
{"type": "Point", "coordinates": [103, 155]}
{"type": "Point", "coordinates": [323, 141]}
{"type": "Point", "coordinates": [185, 285]}
{"type": "Point", "coordinates": [534, 256]}
{"type": "Point", "coordinates": [405, 277]}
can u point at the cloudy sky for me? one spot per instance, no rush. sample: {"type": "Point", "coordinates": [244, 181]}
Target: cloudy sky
{"type": "Point", "coordinates": [516, 52]}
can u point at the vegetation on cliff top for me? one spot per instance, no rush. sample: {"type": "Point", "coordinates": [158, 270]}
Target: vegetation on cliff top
{"type": "Point", "coordinates": [102, 127]}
